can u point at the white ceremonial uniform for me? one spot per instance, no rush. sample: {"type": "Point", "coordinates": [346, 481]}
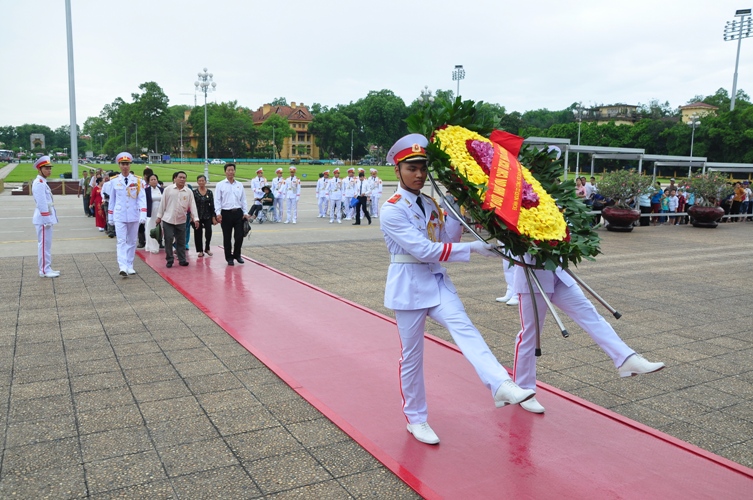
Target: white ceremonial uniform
{"type": "Point", "coordinates": [417, 286]}
{"type": "Point", "coordinates": [376, 193]}
{"type": "Point", "coordinates": [127, 209]}
{"type": "Point", "coordinates": [322, 196]}
{"type": "Point", "coordinates": [256, 184]}
{"type": "Point", "coordinates": [335, 190]}
{"type": "Point", "coordinates": [44, 218]}
{"type": "Point", "coordinates": [349, 190]}
{"type": "Point", "coordinates": [292, 194]}
{"type": "Point", "coordinates": [278, 190]}
{"type": "Point", "coordinates": [564, 293]}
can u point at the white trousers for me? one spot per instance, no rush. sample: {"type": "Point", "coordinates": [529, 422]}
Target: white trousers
{"type": "Point", "coordinates": [128, 235]}
{"type": "Point", "coordinates": [451, 314]}
{"type": "Point", "coordinates": [337, 210]}
{"type": "Point", "coordinates": [278, 209]}
{"type": "Point", "coordinates": [349, 212]}
{"type": "Point", "coordinates": [509, 274]}
{"type": "Point", "coordinates": [44, 248]}
{"type": "Point", "coordinates": [292, 209]}
{"type": "Point", "coordinates": [375, 205]}
{"type": "Point", "coordinates": [574, 303]}
{"type": "Point", "coordinates": [323, 203]}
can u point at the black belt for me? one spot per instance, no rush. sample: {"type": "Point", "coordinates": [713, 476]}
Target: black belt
{"type": "Point", "coordinates": [232, 210]}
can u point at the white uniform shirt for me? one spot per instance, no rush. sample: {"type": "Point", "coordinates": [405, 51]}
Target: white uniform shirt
{"type": "Point", "coordinates": [407, 230]}
{"type": "Point", "coordinates": [334, 188]}
{"type": "Point", "coordinates": [44, 213]}
{"type": "Point", "coordinates": [256, 184]}
{"type": "Point", "coordinates": [229, 196]}
{"type": "Point", "coordinates": [349, 186]}
{"type": "Point", "coordinates": [376, 186]}
{"type": "Point", "coordinates": [278, 186]}
{"type": "Point", "coordinates": [127, 199]}
{"type": "Point", "coordinates": [292, 187]}
{"type": "Point", "coordinates": [321, 188]}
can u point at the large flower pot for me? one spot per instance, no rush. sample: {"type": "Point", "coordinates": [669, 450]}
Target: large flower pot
{"type": "Point", "coordinates": [620, 219]}
{"type": "Point", "coordinates": [705, 216]}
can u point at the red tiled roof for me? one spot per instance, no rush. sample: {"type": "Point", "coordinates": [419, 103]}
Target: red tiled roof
{"type": "Point", "coordinates": [293, 114]}
{"type": "Point", "coordinates": [699, 105]}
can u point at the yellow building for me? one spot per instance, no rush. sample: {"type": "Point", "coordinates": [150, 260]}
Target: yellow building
{"type": "Point", "coordinates": [303, 144]}
{"type": "Point", "coordinates": [699, 109]}
{"type": "Point", "coordinates": [620, 114]}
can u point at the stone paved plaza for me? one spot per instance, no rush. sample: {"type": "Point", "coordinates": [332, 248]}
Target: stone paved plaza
{"type": "Point", "coordinates": [114, 387]}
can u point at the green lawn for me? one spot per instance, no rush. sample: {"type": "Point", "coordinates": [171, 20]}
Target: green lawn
{"type": "Point", "coordinates": [26, 171]}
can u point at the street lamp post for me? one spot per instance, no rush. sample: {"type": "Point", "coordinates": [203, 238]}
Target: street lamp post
{"type": "Point", "coordinates": [458, 74]}
{"type": "Point", "coordinates": [578, 112]}
{"type": "Point", "coordinates": [693, 122]}
{"type": "Point", "coordinates": [205, 84]}
{"type": "Point", "coordinates": [737, 30]}
{"type": "Point", "coordinates": [137, 138]}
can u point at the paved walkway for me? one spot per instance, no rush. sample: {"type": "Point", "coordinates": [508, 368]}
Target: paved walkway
{"type": "Point", "coordinates": [114, 387]}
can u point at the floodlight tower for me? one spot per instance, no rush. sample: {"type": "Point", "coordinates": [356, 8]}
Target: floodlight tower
{"type": "Point", "coordinates": [458, 74]}
{"type": "Point", "coordinates": [205, 84]}
{"type": "Point", "coordinates": [737, 30]}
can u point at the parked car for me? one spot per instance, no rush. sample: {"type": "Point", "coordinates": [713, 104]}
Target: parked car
{"type": "Point", "coordinates": [338, 162]}
{"type": "Point", "coordinates": [316, 162]}
{"type": "Point", "coordinates": [217, 161]}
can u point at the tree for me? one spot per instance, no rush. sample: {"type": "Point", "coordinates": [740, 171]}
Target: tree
{"type": "Point", "coordinates": [383, 116]}
{"type": "Point", "coordinates": [230, 129]}
{"type": "Point", "coordinates": [150, 112]}
{"type": "Point", "coordinates": [333, 130]}
{"type": "Point", "coordinates": [279, 101]}
{"type": "Point", "coordinates": [275, 128]}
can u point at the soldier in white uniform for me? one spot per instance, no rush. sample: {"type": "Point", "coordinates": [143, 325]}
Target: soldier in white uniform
{"type": "Point", "coordinates": [322, 193]}
{"type": "Point", "coordinates": [564, 293]}
{"type": "Point", "coordinates": [127, 209]}
{"type": "Point", "coordinates": [44, 217]}
{"type": "Point", "coordinates": [376, 192]}
{"type": "Point", "coordinates": [418, 238]}
{"type": "Point", "coordinates": [349, 190]}
{"type": "Point", "coordinates": [257, 183]}
{"type": "Point", "coordinates": [278, 190]}
{"type": "Point", "coordinates": [292, 194]}
{"type": "Point", "coordinates": [335, 190]}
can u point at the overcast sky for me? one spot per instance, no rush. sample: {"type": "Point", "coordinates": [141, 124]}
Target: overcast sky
{"type": "Point", "coordinates": [522, 55]}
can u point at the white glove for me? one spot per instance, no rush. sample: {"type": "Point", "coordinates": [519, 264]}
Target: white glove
{"type": "Point", "coordinates": [142, 220]}
{"type": "Point", "coordinates": [484, 249]}
{"type": "Point", "coordinates": [48, 226]}
{"type": "Point", "coordinates": [109, 221]}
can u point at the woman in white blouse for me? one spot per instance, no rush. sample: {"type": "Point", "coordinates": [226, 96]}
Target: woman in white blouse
{"type": "Point", "coordinates": [153, 199]}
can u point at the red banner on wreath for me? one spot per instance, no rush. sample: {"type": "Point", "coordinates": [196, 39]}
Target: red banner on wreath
{"type": "Point", "coordinates": [505, 187]}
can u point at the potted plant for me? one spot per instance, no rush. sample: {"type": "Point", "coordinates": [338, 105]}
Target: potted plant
{"type": "Point", "coordinates": [620, 188]}
{"type": "Point", "coordinates": [709, 189]}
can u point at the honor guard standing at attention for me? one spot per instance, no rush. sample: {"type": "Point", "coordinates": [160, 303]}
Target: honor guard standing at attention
{"type": "Point", "coordinates": [376, 192]}
{"type": "Point", "coordinates": [231, 209]}
{"type": "Point", "coordinates": [349, 190]}
{"type": "Point", "coordinates": [44, 217]}
{"type": "Point", "coordinates": [292, 194]}
{"type": "Point", "coordinates": [564, 293]}
{"type": "Point", "coordinates": [257, 183]}
{"type": "Point", "coordinates": [335, 190]}
{"type": "Point", "coordinates": [278, 190]}
{"type": "Point", "coordinates": [322, 193]}
{"type": "Point", "coordinates": [126, 210]}
{"type": "Point", "coordinates": [418, 238]}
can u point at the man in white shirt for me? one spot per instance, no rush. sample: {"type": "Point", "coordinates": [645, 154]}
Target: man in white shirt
{"type": "Point", "coordinates": [177, 201]}
{"type": "Point", "coordinates": [292, 194]}
{"type": "Point", "coordinates": [363, 192]}
{"type": "Point", "coordinates": [127, 210]}
{"type": "Point", "coordinates": [322, 193]}
{"type": "Point", "coordinates": [231, 208]}
{"type": "Point", "coordinates": [376, 192]}
{"type": "Point", "coordinates": [278, 190]}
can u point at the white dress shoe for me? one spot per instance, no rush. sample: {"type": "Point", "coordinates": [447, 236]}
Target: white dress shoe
{"type": "Point", "coordinates": [423, 433]}
{"type": "Point", "coordinates": [637, 365]}
{"type": "Point", "coordinates": [123, 273]}
{"type": "Point", "coordinates": [49, 274]}
{"type": "Point", "coordinates": [339, 221]}
{"type": "Point", "coordinates": [131, 270]}
{"type": "Point", "coordinates": [514, 301]}
{"type": "Point", "coordinates": [507, 296]}
{"type": "Point", "coordinates": [509, 394]}
{"type": "Point", "coordinates": [532, 405]}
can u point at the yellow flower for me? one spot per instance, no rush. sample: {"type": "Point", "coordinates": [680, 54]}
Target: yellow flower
{"type": "Point", "coordinates": [543, 222]}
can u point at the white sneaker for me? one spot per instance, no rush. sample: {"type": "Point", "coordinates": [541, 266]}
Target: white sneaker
{"type": "Point", "coordinates": [131, 270]}
{"type": "Point", "coordinates": [532, 405]}
{"type": "Point", "coordinates": [637, 365]}
{"type": "Point", "coordinates": [423, 433]}
{"type": "Point", "coordinates": [508, 296]}
{"type": "Point", "coordinates": [514, 301]}
{"type": "Point", "coordinates": [49, 274]}
{"type": "Point", "coordinates": [509, 394]}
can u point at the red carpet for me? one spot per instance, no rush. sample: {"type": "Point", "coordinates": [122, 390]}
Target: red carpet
{"type": "Point", "coordinates": [343, 359]}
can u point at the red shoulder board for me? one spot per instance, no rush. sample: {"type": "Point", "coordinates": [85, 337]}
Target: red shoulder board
{"type": "Point", "coordinates": [40, 180]}
{"type": "Point", "coordinates": [394, 198]}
